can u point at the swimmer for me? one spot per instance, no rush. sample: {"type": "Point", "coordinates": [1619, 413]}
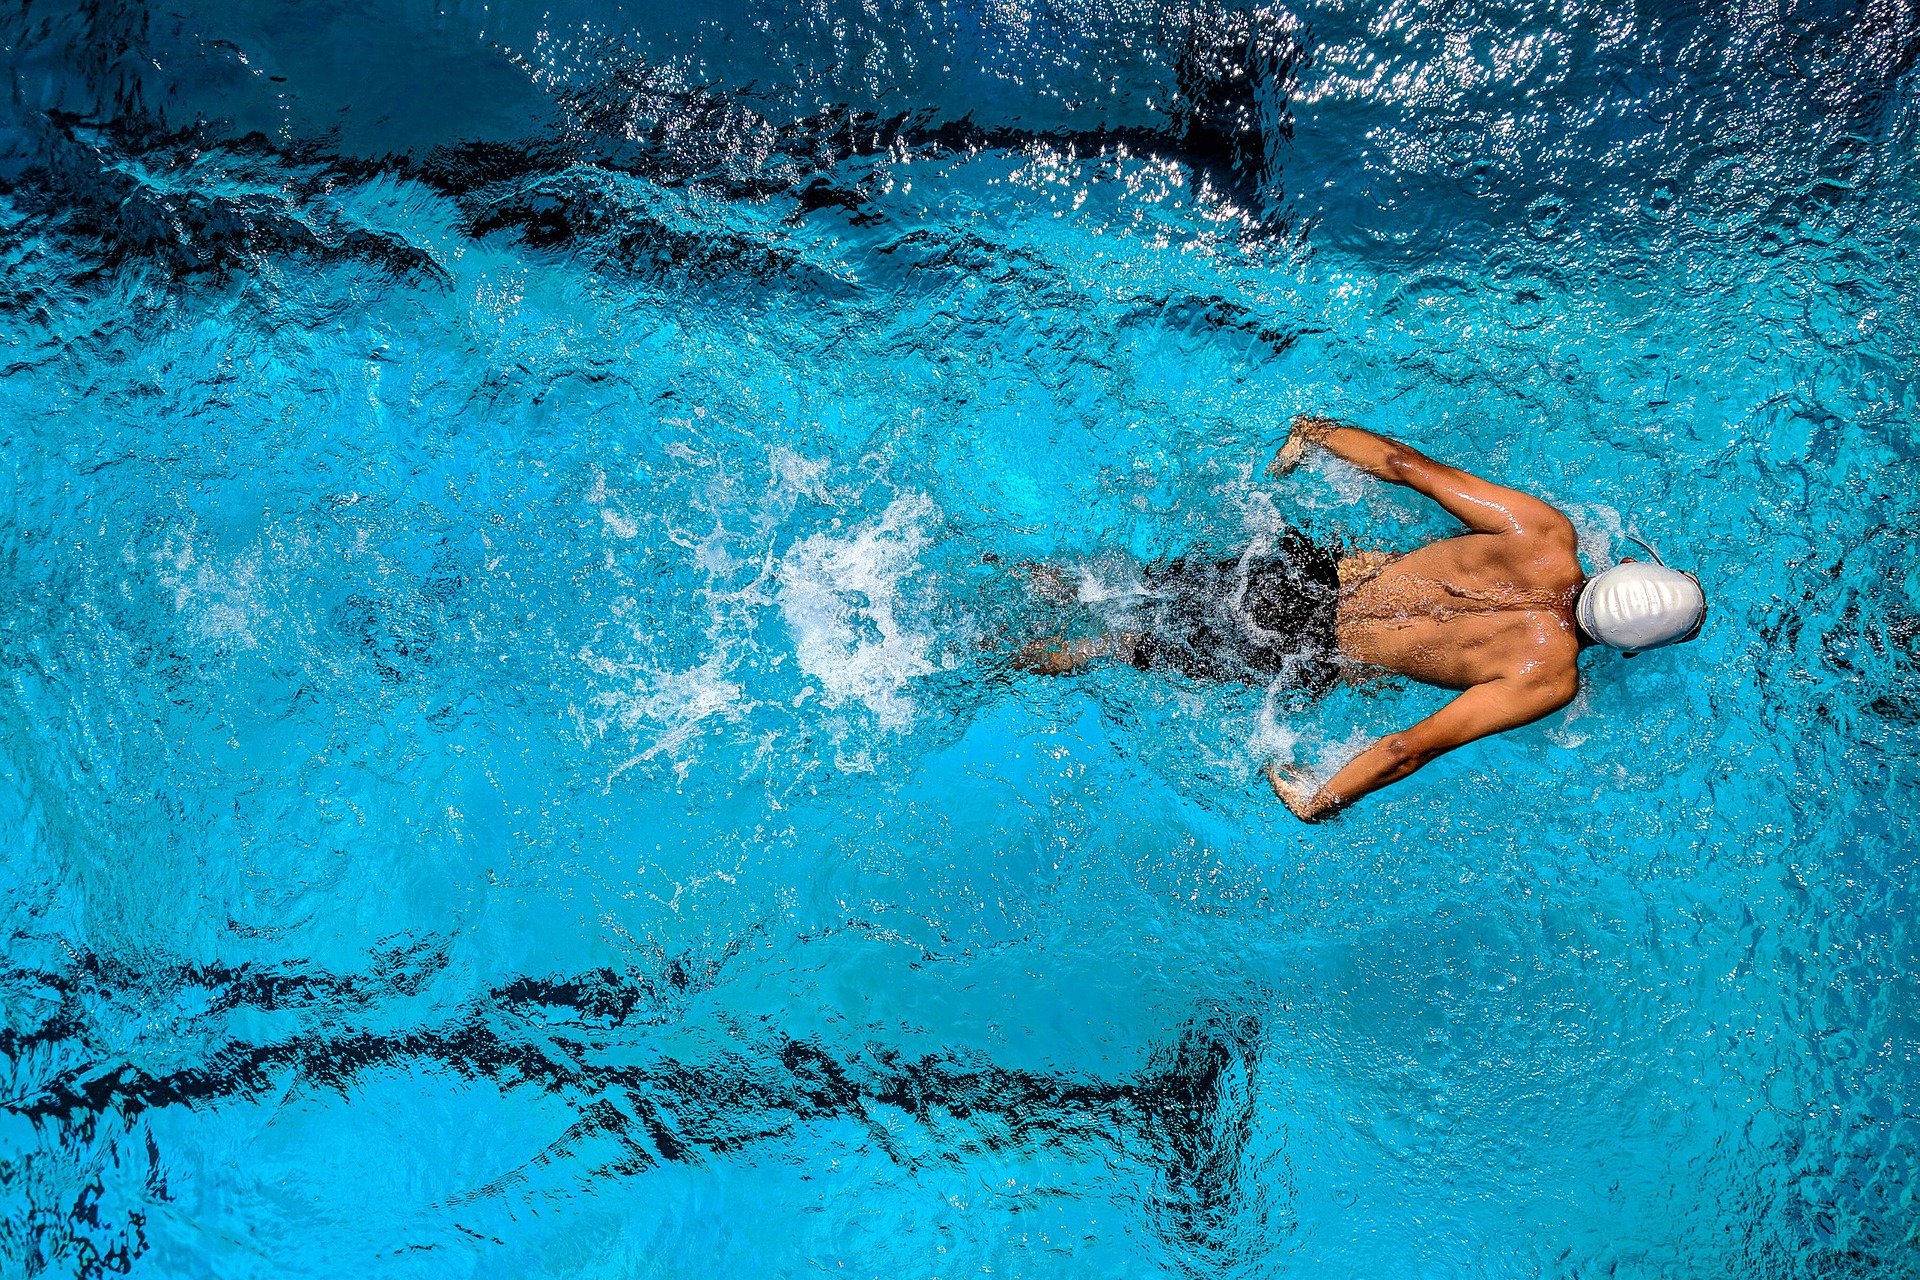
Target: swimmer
{"type": "Point", "coordinates": [1500, 613]}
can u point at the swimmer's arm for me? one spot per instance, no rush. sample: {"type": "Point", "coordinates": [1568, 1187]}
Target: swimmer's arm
{"type": "Point", "coordinates": [1481, 505]}
{"type": "Point", "coordinates": [1482, 710]}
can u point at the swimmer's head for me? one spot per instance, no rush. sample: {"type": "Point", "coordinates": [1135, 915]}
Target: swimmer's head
{"type": "Point", "coordinates": [1635, 606]}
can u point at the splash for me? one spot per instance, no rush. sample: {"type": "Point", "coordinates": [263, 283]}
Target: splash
{"type": "Point", "coordinates": [679, 705]}
{"type": "Point", "coordinates": [1274, 738]}
{"type": "Point", "coordinates": [841, 599]}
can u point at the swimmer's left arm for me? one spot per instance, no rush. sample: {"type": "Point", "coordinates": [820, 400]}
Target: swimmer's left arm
{"type": "Point", "coordinates": [1481, 711]}
{"type": "Point", "coordinates": [1476, 502]}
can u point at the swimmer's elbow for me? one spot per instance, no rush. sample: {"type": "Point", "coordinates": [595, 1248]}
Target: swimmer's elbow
{"type": "Point", "coordinates": [1554, 532]}
{"type": "Point", "coordinates": [1568, 690]}
{"type": "Point", "coordinates": [1403, 464]}
{"type": "Point", "coordinates": [1554, 694]}
{"type": "Point", "coordinates": [1403, 754]}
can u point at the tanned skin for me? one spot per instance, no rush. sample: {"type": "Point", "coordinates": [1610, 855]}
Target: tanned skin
{"type": "Point", "coordinates": [1488, 612]}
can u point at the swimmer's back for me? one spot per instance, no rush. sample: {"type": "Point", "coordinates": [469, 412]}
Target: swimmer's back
{"type": "Point", "coordinates": [1467, 610]}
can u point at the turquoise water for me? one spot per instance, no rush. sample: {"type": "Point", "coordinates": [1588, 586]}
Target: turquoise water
{"type": "Point", "coordinates": [499, 770]}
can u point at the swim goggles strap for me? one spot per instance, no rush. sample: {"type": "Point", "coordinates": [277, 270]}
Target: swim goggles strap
{"type": "Point", "coordinates": [1648, 547]}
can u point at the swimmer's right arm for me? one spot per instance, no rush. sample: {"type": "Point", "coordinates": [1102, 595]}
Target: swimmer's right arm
{"type": "Point", "coordinates": [1481, 711]}
{"type": "Point", "coordinates": [1481, 505]}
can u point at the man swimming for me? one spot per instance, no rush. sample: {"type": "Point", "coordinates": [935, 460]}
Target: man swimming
{"type": "Point", "coordinates": [1500, 612]}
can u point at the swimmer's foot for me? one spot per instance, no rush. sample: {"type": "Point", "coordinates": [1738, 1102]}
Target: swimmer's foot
{"type": "Point", "coordinates": [1062, 657]}
{"type": "Point", "coordinates": [1052, 657]}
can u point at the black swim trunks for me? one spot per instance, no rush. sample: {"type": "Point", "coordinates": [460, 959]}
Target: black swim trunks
{"type": "Point", "coordinates": [1249, 620]}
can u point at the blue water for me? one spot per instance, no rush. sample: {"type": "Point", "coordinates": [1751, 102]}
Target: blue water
{"type": "Point", "coordinates": [506, 517]}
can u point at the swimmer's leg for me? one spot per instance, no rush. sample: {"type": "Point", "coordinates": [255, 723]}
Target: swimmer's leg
{"type": "Point", "coordinates": [1059, 656]}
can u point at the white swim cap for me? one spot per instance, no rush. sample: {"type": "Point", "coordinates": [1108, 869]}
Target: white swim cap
{"type": "Point", "coordinates": [1640, 606]}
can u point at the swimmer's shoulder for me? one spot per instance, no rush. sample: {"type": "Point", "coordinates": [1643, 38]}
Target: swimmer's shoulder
{"type": "Point", "coordinates": [1554, 545]}
{"type": "Point", "coordinates": [1547, 663]}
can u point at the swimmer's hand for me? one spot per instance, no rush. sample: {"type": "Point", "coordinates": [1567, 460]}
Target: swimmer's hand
{"type": "Point", "coordinates": [1297, 790]}
{"type": "Point", "coordinates": [1304, 430]}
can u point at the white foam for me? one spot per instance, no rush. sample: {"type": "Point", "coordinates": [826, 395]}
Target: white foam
{"type": "Point", "coordinates": [1261, 516]}
{"type": "Point", "coordinates": [1562, 732]}
{"type": "Point", "coordinates": [1277, 741]}
{"type": "Point", "coordinates": [675, 705]}
{"type": "Point", "coordinates": [791, 473]}
{"type": "Point", "coordinates": [660, 713]}
{"type": "Point", "coordinates": [1106, 582]}
{"type": "Point", "coordinates": [1334, 756]}
{"type": "Point", "coordinates": [613, 512]}
{"type": "Point", "coordinates": [219, 598]}
{"type": "Point", "coordinates": [1598, 527]}
{"type": "Point", "coordinates": [1349, 483]}
{"type": "Point", "coordinates": [840, 597]}
{"type": "Point", "coordinates": [1273, 738]}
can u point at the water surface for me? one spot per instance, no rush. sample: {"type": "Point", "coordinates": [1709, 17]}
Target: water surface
{"type": "Point", "coordinates": [499, 773]}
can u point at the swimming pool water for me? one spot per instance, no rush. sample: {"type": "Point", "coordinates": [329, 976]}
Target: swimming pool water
{"type": "Point", "coordinates": [508, 515]}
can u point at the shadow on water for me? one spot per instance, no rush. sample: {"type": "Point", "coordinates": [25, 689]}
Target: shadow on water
{"type": "Point", "coordinates": [1187, 1115]}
